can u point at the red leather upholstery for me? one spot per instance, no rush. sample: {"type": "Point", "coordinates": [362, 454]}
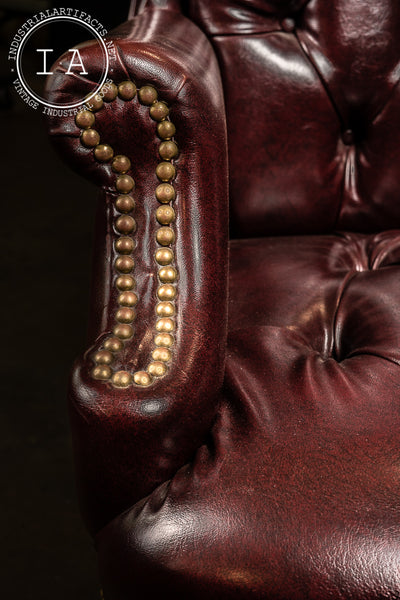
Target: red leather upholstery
{"type": "Point", "coordinates": [313, 112]}
{"type": "Point", "coordinates": [296, 493]}
{"type": "Point", "coordinates": [283, 481]}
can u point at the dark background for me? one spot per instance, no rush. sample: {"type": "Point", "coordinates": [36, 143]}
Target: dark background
{"type": "Point", "coordinates": [46, 227]}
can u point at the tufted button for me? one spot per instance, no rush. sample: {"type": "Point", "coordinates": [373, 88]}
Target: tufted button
{"type": "Point", "coordinates": [348, 137]}
{"type": "Point", "coordinates": [288, 25]}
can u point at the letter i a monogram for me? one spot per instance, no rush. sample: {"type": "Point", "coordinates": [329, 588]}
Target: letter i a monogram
{"type": "Point", "coordinates": [77, 64]}
{"type": "Point", "coordinates": [75, 55]}
{"type": "Point", "coordinates": [45, 71]}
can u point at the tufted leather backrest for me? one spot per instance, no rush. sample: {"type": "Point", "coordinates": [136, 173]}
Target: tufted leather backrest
{"type": "Point", "coordinates": [313, 109]}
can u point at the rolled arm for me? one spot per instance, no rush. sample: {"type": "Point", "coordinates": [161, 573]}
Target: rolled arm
{"type": "Point", "coordinates": [144, 396]}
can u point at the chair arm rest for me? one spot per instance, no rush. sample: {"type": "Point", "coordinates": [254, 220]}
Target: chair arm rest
{"type": "Point", "coordinates": [130, 439]}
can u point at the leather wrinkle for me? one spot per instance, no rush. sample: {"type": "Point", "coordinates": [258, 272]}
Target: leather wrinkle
{"type": "Point", "coordinates": [182, 83]}
{"type": "Point", "coordinates": [121, 61]}
{"type": "Point", "coordinates": [307, 54]}
{"type": "Point", "coordinates": [342, 190]}
{"type": "Point", "coordinates": [383, 250]}
{"type": "Point", "coordinates": [349, 170]}
{"type": "Point", "coordinates": [324, 83]}
{"type": "Point", "coordinates": [77, 76]}
{"type": "Point", "coordinates": [334, 352]}
{"type": "Point", "coordinates": [374, 354]}
{"type": "Point", "coordinates": [385, 103]}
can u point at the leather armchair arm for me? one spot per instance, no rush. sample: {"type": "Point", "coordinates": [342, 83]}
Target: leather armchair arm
{"type": "Point", "coordinates": [130, 439]}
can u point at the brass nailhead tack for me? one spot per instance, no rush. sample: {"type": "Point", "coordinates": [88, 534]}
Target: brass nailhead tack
{"type": "Point", "coordinates": [168, 150]}
{"type": "Point", "coordinates": [127, 90]}
{"type": "Point", "coordinates": [85, 119]}
{"type": "Point", "coordinates": [90, 138]}
{"type": "Point", "coordinates": [124, 245]}
{"type": "Point", "coordinates": [166, 292]}
{"type": "Point", "coordinates": [124, 183]}
{"type": "Point", "coordinates": [159, 111]}
{"type": "Point", "coordinates": [163, 354]}
{"type": "Point", "coordinates": [157, 369]}
{"type": "Point", "coordinates": [165, 193]}
{"type": "Point", "coordinates": [103, 152]}
{"type": "Point", "coordinates": [122, 379]}
{"type": "Point", "coordinates": [142, 378]}
{"type": "Point", "coordinates": [125, 203]}
{"type": "Point", "coordinates": [127, 299]}
{"type": "Point", "coordinates": [165, 309]}
{"type": "Point", "coordinates": [125, 315]}
{"type": "Point", "coordinates": [167, 274]}
{"type": "Point", "coordinates": [103, 357]}
{"type": "Point", "coordinates": [165, 325]}
{"type": "Point", "coordinates": [164, 339]}
{"type": "Point", "coordinates": [147, 94]}
{"type": "Point", "coordinates": [102, 372]}
{"type": "Point", "coordinates": [165, 171]}
{"type": "Point", "coordinates": [125, 283]}
{"type": "Point", "coordinates": [165, 214]}
{"type": "Point", "coordinates": [166, 130]}
{"type": "Point", "coordinates": [95, 103]}
{"type": "Point", "coordinates": [123, 331]}
{"type": "Point", "coordinates": [164, 256]}
{"type": "Point", "coordinates": [121, 164]}
{"type": "Point", "coordinates": [124, 264]}
{"type": "Point", "coordinates": [165, 236]}
{"type": "Point", "coordinates": [113, 344]}
{"type": "Point", "coordinates": [125, 224]}
{"type": "Point", "coordinates": [109, 91]}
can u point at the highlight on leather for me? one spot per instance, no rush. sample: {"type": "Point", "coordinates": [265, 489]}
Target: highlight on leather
{"type": "Point", "coordinates": [124, 230]}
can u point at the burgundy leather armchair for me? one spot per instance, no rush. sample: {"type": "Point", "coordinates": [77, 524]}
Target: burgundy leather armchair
{"type": "Point", "coordinates": [243, 445]}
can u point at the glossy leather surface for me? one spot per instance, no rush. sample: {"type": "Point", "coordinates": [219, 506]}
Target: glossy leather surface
{"type": "Point", "coordinates": [313, 111]}
{"type": "Point", "coordinates": [265, 467]}
{"type": "Point", "coordinates": [296, 493]}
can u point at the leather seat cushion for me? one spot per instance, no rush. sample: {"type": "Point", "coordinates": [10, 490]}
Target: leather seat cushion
{"type": "Point", "coordinates": [296, 492]}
